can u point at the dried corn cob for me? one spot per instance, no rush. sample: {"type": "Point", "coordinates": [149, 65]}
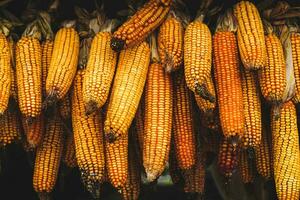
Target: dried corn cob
{"type": "Point", "coordinates": [170, 43]}
{"type": "Point", "coordinates": [48, 156]}
{"type": "Point", "coordinates": [158, 117]}
{"type": "Point", "coordinates": [140, 25]}
{"type": "Point", "coordinates": [99, 72]}
{"type": "Point", "coordinates": [197, 57]}
{"type": "Point", "coordinates": [252, 110]}
{"type": "Point", "coordinates": [183, 129]}
{"type": "Point", "coordinates": [286, 153]}
{"type": "Point", "coordinates": [29, 72]}
{"type": "Point", "coordinates": [47, 48]}
{"type": "Point", "coordinates": [228, 79]}
{"type": "Point", "coordinates": [69, 157]}
{"type": "Point", "coordinates": [13, 86]}
{"type": "Point", "coordinates": [127, 90]}
{"type": "Point", "coordinates": [295, 42]}
{"type": "Point", "coordinates": [139, 123]}
{"type": "Point", "coordinates": [245, 167]}
{"type": "Point", "coordinates": [263, 154]}
{"type": "Point", "coordinates": [34, 131]}
{"type": "Point", "coordinates": [174, 170]}
{"type": "Point", "coordinates": [64, 107]}
{"type": "Point", "coordinates": [63, 64]}
{"type": "Point", "coordinates": [117, 161]}
{"type": "Point", "coordinates": [5, 73]}
{"type": "Point", "coordinates": [88, 137]}
{"type": "Point", "coordinates": [227, 158]}
{"type": "Point", "coordinates": [272, 77]}
{"type": "Point", "coordinates": [250, 35]}
{"type": "Point", "coordinates": [10, 130]}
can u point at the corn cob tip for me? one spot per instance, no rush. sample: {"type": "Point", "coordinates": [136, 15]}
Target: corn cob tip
{"type": "Point", "coordinates": [169, 63]}
{"type": "Point", "coordinates": [90, 107]}
{"type": "Point", "coordinates": [234, 140]}
{"type": "Point", "coordinates": [92, 186]}
{"type": "Point", "coordinates": [110, 137]}
{"type": "Point", "coordinates": [276, 111]}
{"type": "Point", "coordinates": [50, 100]}
{"type": "Point", "coordinates": [117, 44]}
{"type": "Point", "coordinates": [44, 196]}
{"type": "Point", "coordinates": [151, 177]}
{"type": "Point", "coordinates": [251, 153]}
{"type": "Point", "coordinates": [202, 91]}
{"type": "Point", "coordinates": [29, 120]}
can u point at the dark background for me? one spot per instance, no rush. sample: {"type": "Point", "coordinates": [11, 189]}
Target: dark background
{"type": "Point", "coordinates": [16, 165]}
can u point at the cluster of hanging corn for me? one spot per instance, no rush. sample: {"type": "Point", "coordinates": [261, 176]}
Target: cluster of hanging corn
{"type": "Point", "coordinates": [118, 104]}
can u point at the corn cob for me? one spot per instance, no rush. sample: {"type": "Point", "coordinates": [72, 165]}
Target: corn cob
{"type": "Point", "coordinates": [117, 161]}
{"type": "Point", "coordinates": [272, 77]}
{"type": "Point", "coordinates": [5, 70]}
{"type": "Point", "coordinates": [158, 117]}
{"type": "Point", "coordinates": [197, 58]}
{"type": "Point", "coordinates": [228, 80]}
{"type": "Point", "coordinates": [174, 170]}
{"type": "Point", "coordinates": [286, 153]}
{"type": "Point", "coordinates": [99, 72]}
{"type": "Point", "coordinates": [250, 35]}
{"type": "Point", "coordinates": [245, 167]}
{"type": "Point", "coordinates": [13, 86]}
{"type": "Point", "coordinates": [204, 105]}
{"type": "Point", "coordinates": [127, 90]}
{"type": "Point", "coordinates": [63, 64]}
{"type": "Point", "coordinates": [10, 130]}
{"type": "Point", "coordinates": [29, 73]}
{"type": "Point", "coordinates": [34, 131]}
{"type": "Point", "coordinates": [131, 189]}
{"type": "Point", "coordinates": [183, 129]}
{"type": "Point", "coordinates": [252, 110]}
{"type": "Point", "coordinates": [139, 123]}
{"type": "Point", "coordinates": [227, 158]}
{"type": "Point", "coordinates": [263, 155]}
{"type": "Point", "coordinates": [47, 48]}
{"type": "Point", "coordinates": [88, 137]}
{"type": "Point", "coordinates": [170, 43]}
{"type": "Point", "coordinates": [69, 157]}
{"type": "Point", "coordinates": [295, 42]}
{"type": "Point", "coordinates": [140, 25]}
{"type": "Point", "coordinates": [64, 107]}
{"type": "Point", "coordinates": [48, 156]}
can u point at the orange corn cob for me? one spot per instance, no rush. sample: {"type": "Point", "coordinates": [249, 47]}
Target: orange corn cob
{"type": "Point", "coordinates": [158, 121]}
{"type": "Point", "coordinates": [263, 156]}
{"type": "Point", "coordinates": [227, 158]}
{"type": "Point", "coordinates": [88, 137]}
{"type": "Point", "coordinates": [139, 123]}
{"type": "Point", "coordinates": [117, 161]}
{"type": "Point", "coordinates": [63, 64]}
{"type": "Point", "coordinates": [34, 131]}
{"type": "Point", "coordinates": [250, 34]}
{"type": "Point", "coordinates": [174, 170]}
{"type": "Point", "coordinates": [272, 77]}
{"type": "Point", "coordinates": [69, 157]}
{"type": "Point", "coordinates": [47, 48]}
{"type": "Point", "coordinates": [197, 58]}
{"type": "Point", "coordinates": [13, 86]}
{"type": "Point", "coordinates": [170, 43]}
{"type": "Point", "coordinates": [10, 130]}
{"type": "Point", "coordinates": [99, 72]}
{"type": "Point", "coordinates": [29, 76]}
{"type": "Point", "coordinates": [140, 25]}
{"type": "Point", "coordinates": [228, 83]}
{"type": "Point", "coordinates": [295, 42]}
{"type": "Point", "coordinates": [127, 90]}
{"type": "Point", "coordinates": [245, 168]}
{"type": "Point", "coordinates": [286, 162]}
{"type": "Point", "coordinates": [252, 110]}
{"type": "Point", "coordinates": [48, 156]}
{"type": "Point", "coordinates": [5, 73]}
{"type": "Point", "coordinates": [183, 129]}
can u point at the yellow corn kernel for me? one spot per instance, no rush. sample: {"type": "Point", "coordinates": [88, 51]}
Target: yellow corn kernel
{"type": "Point", "coordinates": [272, 78]}
{"type": "Point", "coordinates": [47, 49]}
{"type": "Point", "coordinates": [140, 25]}
{"type": "Point", "coordinates": [63, 64]}
{"type": "Point", "coordinates": [10, 128]}
{"type": "Point", "coordinates": [88, 137]}
{"type": "Point", "coordinates": [158, 121]}
{"type": "Point", "coordinates": [100, 71]}
{"type": "Point", "coordinates": [127, 90]}
{"type": "Point", "coordinates": [250, 35]}
{"type": "Point", "coordinates": [228, 83]}
{"type": "Point", "coordinates": [286, 162]}
{"type": "Point", "coordinates": [69, 157]}
{"type": "Point", "coordinates": [295, 42]}
{"type": "Point", "coordinates": [170, 43]}
{"type": "Point", "coordinates": [29, 76]}
{"type": "Point", "coordinates": [48, 156]}
{"type": "Point", "coordinates": [245, 167]}
{"type": "Point", "coordinates": [252, 110]}
{"type": "Point", "coordinates": [5, 73]}
{"type": "Point", "coordinates": [183, 129]}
